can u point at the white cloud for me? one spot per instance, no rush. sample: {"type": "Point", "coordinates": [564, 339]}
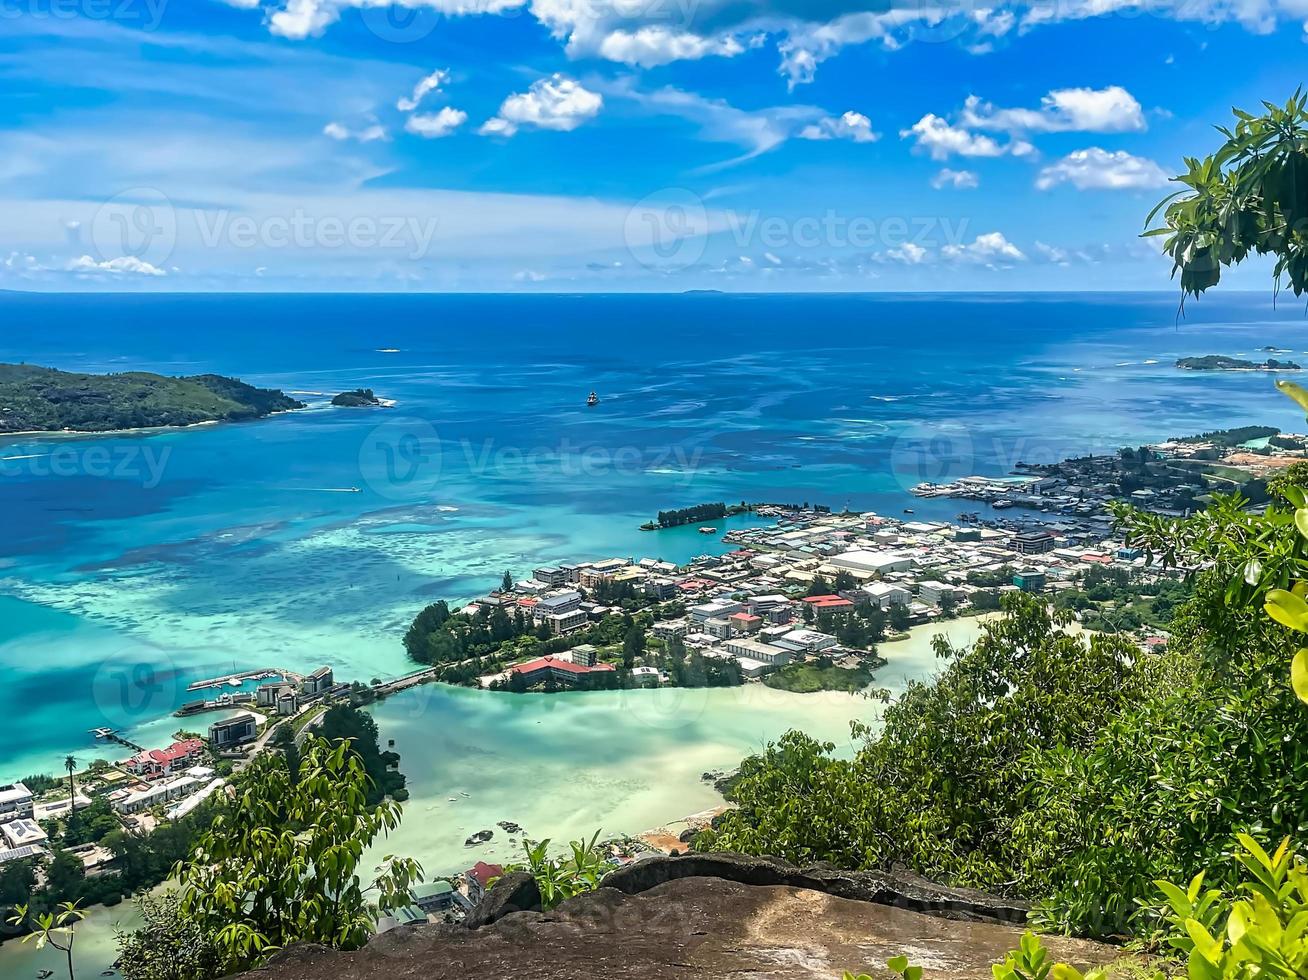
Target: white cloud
{"type": "Point", "coordinates": [124, 265]}
{"type": "Point", "coordinates": [908, 254]}
{"type": "Point", "coordinates": [848, 126]}
{"type": "Point", "coordinates": [429, 84]}
{"type": "Point", "coordinates": [367, 134]}
{"type": "Point", "coordinates": [1098, 169]}
{"type": "Point", "coordinates": [651, 46]}
{"type": "Point", "coordinates": [1107, 110]}
{"type": "Point", "coordinates": [558, 103]}
{"type": "Point", "coordinates": [1051, 253]}
{"type": "Point", "coordinates": [959, 180]}
{"type": "Point", "coordinates": [991, 249]}
{"type": "Point", "coordinates": [298, 19]}
{"type": "Point", "coordinates": [940, 139]}
{"type": "Point", "coordinates": [433, 125]}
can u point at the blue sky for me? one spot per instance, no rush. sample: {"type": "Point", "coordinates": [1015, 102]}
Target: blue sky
{"type": "Point", "coordinates": [609, 145]}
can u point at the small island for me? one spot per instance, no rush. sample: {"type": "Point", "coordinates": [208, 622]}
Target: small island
{"type": "Point", "coordinates": [358, 398]}
{"type": "Point", "coordinates": [1219, 362]}
{"type": "Point", "coordinates": [40, 399]}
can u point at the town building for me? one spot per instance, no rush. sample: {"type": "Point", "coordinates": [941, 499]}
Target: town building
{"type": "Point", "coordinates": [586, 655]}
{"type": "Point", "coordinates": [806, 641]}
{"type": "Point", "coordinates": [15, 802]}
{"type": "Point", "coordinates": [766, 653]}
{"type": "Point", "coordinates": [233, 731]}
{"type": "Point", "coordinates": [933, 593]}
{"type": "Point", "coordinates": [22, 833]}
{"type": "Point", "coordinates": [671, 629]}
{"type": "Point", "coordinates": [872, 562]}
{"type": "Point", "coordinates": [714, 610]}
{"type": "Point", "coordinates": [645, 676]}
{"type": "Point", "coordinates": [560, 602]}
{"type": "Point", "coordinates": [719, 628]}
{"type": "Point", "coordinates": [552, 575]}
{"type": "Point", "coordinates": [134, 801]}
{"type": "Point", "coordinates": [1034, 542]}
{"type": "Point", "coordinates": [661, 589]}
{"type": "Point", "coordinates": [434, 896]}
{"type": "Point", "coordinates": [745, 623]}
{"type": "Point", "coordinates": [560, 624]}
{"type": "Point", "coordinates": [1030, 580]}
{"type": "Point", "coordinates": [267, 695]}
{"type": "Point", "coordinates": [887, 594]}
{"type": "Point", "coordinates": [829, 603]}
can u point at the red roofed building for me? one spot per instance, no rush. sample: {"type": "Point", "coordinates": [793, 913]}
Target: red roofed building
{"type": "Point", "coordinates": [834, 603]}
{"type": "Point", "coordinates": [481, 875]}
{"type": "Point", "coordinates": [561, 671]}
{"type": "Point", "coordinates": [745, 622]}
{"type": "Point", "coordinates": [153, 763]}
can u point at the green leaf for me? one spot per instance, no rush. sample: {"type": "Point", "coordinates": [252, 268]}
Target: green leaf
{"type": "Point", "coordinates": [1299, 675]}
{"type": "Point", "coordinates": [1294, 392]}
{"type": "Point", "coordinates": [1287, 609]}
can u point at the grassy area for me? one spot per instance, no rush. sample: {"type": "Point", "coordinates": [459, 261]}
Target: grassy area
{"type": "Point", "coordinates": [810, 678]}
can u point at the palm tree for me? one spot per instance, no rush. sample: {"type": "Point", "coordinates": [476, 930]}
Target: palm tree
{"type": "Point", "coordinates": [71, 765]}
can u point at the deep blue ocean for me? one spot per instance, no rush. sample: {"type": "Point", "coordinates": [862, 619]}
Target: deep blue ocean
{"type": "Point", "coordinates": [313, 537]}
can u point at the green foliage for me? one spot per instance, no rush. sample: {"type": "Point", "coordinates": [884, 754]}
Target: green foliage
{"type": "Point", "coordinates": [56, 928]}
{"type": "Point", "coordinates": [168, 945]}
{"type": "Point", "coordinates": [280, 865]}
{"type": "Point", "coordinates": [561, 878]}
{"type": "Point", "coordinates": [37, 398]}
{"type": "Point", "coordinates": [691, 515]}
{"type": "Point", "coordinates": [811, 678]}
{"type": "Point", "coordinates": [1250, 197]}
{"type": "Point", "coordinates": [345, 722]}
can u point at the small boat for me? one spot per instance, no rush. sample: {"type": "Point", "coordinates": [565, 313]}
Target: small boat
{"type": "Point", "coordinates": [908, 510]}
{"type": "Point", "coordinates": [708, 530]}
{"type": "Point", "coordinates": [592, 400]}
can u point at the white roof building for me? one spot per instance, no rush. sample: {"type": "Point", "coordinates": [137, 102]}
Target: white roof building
{"type": "Point", "coordinates": [872, 562]}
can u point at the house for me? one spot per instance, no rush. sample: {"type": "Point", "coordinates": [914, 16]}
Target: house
{"type": "Point", "coordinates": [479, 877]}
{"type": "Point", "coordinates": [434, 896]}
{"type": "Point", "coordinates": [22, 833]}
{"type": "Point", "coordinates": [645, 676]}
{"type": "Point", "coordinates": [154, 763]}
{"type": "Point", "coordinates": [233, 731]}
{"type": "Point", "coordinates": [15, 802]}
{"type": "Point", "coordinates": [885, 594]}
{"type": "Point", "coordinates": [560, 671]}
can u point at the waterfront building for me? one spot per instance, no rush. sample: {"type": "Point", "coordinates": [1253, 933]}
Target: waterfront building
{"type": "Point", "coordinates": [288, 703]}
{"type": "Point", "coordinates": [561, 671]}
{"type": "Point", "coordinates": [15, 802]}
{"type": "Point", "coordinates": [571, 573]}
{"type": "Point", "coordinates": [267, 695]}
{"type": "Point", "coordinates": [319, 682]}
{"type": "Point", "coordinates": [645, 676]}
{"type": "Point", "coordinates": [134, 801]}
{"type": "Point", "coordinates": [233, 731]}
{"type": "Point", "coordinates": [559, 602]}
{"type": "Point", "coordinates": [806, 641]}
{"type": "Point", "coordinates": [766, 653]}
{"type": "Point", "coordinates": [552, 575]}
{"type": "Point", "coordinates": [155, 763]}
{"type": "Point", "coordinates": [887, 594]}
{"type": "Point", "coordinates": [933, 593]}
{"type": "Point", "coordinates": [434, 896]}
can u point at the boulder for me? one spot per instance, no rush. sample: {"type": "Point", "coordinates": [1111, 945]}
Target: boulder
{"type": "Point", "coordinates": [683, 929]}
{"type": "Point", "coordinates": [516, 892]}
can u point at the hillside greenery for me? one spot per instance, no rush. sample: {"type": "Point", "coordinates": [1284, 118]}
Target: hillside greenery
{"type": "Point", "coordinates": [46, 400]}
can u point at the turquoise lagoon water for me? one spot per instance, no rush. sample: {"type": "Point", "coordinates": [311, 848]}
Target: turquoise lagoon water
{"type": "Point", "coordinates": [131, 565]}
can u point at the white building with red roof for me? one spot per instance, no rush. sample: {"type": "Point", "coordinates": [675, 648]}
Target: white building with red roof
{"type": "Point", "coordinates": [156, 763]}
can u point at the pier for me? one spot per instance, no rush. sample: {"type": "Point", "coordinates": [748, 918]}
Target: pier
{"type": "Point", "coordinates": [110, 735]}
{"type": "Point", "coordinates": [237, 679]}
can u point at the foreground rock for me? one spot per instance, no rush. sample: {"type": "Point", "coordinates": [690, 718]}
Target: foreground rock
{"type": "Point", "coordinates": [690, 926]}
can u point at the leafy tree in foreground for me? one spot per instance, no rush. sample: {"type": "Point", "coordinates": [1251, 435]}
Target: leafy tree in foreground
{"type": "Point", "coordinates": [55, 928]}
{"type": "Point", "coordinates": [280, 865]}
{"type": "Point", "coordinates": [168, 945]}
{"type": "Point", "coordinates": [1250, 197]}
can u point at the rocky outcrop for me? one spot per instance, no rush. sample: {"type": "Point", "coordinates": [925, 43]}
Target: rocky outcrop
{"type": "Point", "coordinates": [682, 929]}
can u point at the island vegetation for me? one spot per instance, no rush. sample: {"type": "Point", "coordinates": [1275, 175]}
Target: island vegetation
{"type": "Point", "coordinates": [358, 398]}
{"type": "Point", "coordinates": [39, 399]}
{"type": "Point", "coordinates": [1219, 362]}
{"type": "Point", "coordinates": [821, 675]}
{"type": "Point", "coordinates": [698, 514]}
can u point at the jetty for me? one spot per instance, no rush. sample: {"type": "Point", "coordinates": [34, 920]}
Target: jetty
{"type": "Point", "coordinates": [237, 679]}
{"type": "Point", "coordinates": [111, 735]}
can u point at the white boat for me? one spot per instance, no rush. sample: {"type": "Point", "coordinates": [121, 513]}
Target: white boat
{"type": "Point", "coordinates": [708, 530]}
